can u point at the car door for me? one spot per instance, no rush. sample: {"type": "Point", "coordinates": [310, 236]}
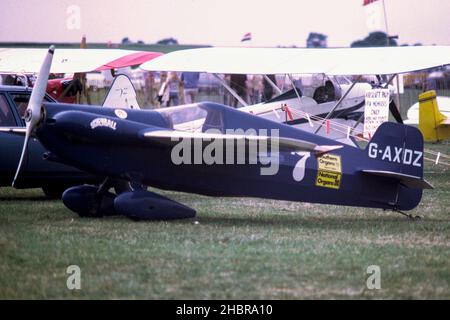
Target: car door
{"type": "Point", "coordinates": [10, 143]}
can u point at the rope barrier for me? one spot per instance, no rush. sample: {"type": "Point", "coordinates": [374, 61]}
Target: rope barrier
{"type": "Point", "coordinates": [350, 132]}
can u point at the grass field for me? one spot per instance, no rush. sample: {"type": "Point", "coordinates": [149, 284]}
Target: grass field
{"type": "Point", "coordinates": [239, 249]}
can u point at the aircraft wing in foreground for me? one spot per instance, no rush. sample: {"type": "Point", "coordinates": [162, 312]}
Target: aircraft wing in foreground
{"type": "Point", "coordinates": [339, 61]}
{"type": "Point", "coordinates": [18, 60]}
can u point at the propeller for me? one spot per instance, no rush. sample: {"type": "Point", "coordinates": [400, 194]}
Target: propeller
{"type": "Point", "coordinates": [33, 113]}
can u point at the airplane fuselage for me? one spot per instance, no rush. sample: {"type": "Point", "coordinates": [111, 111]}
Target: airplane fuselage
{"type": "Point", "coordinates": [108, 143]}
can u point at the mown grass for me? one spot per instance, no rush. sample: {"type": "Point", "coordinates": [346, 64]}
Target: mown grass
{"type": "Point", "coordinates": [239, 249]}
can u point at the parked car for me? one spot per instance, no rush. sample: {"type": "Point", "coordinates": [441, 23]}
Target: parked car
{"type": "Point", "coordinates": [36, 172]}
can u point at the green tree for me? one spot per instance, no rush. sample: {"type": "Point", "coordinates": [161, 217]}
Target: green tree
{"type": "Point", "coordinates": [316, 40]}
{"type": "Point", "coordinates": [375, 39]}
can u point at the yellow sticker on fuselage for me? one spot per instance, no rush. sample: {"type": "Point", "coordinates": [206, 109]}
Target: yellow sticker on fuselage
{"type": "Point", "coordinates": [329, 171]}
{"type": "Point", "coordinates": [328, 179]}
{"type": "Point", "coordinates": [329, 162]}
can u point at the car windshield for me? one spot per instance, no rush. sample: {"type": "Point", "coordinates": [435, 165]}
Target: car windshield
{"type": "Point", "coordinates": [6, 116]}
{"type": "Point", "coordinates": [21, 101]}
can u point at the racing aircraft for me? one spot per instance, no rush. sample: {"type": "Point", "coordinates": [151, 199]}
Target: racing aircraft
{"type": "Point", "coordinates": [148, 147]}
{"type": "Point", "coordinates": [344, 106]}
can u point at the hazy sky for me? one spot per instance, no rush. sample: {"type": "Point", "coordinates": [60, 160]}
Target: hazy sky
{"type": "Point", "coordinates": [220, 23]}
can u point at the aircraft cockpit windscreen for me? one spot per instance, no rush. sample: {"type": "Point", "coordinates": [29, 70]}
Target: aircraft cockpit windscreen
{"type": "Point", "coordinates": [185, 118]}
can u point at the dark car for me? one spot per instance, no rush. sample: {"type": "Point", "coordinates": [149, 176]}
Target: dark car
{"type": "Point", "coordinates": [36, 172]}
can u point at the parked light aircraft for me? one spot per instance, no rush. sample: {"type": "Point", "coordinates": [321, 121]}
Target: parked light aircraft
{"type": "Point", "coordinates": [143, 146]}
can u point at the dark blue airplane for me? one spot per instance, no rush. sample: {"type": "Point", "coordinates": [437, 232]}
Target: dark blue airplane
{"type": "Point", "coordinates": [143, 147]}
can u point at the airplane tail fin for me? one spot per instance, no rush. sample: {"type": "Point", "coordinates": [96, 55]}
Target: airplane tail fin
{"type": "Point", "coordinates": [398, 151]}
{"type": "Point", "coordinates": [122, 94]}
{"type": "Point", "coordinates": [432, 123]}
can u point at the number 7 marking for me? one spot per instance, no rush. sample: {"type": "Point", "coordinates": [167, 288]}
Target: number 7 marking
{"type": "Point", "coordinates": [299, 170]}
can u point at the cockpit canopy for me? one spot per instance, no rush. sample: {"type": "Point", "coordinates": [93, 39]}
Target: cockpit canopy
{"type": "Point", "coordinates": [192, 118]}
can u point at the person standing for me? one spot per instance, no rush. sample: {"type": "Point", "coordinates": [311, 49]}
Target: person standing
{"type": "Point", "coordinates": [163, 93]}
{"type": "Point", "coordinates": [149, 89]}
{"type": "Point", "coordinates": [171, 90]}
{"type": "Point", "coordinates": [190, 84]}
{"type": "Point", "coordinates": [254, 88]}
{"type": "Point", "coordinates": [175, 87]}
{"type": "Point", "coordinates": [268, 89]}
{"type": "Point", "coordinates": [238, 82]}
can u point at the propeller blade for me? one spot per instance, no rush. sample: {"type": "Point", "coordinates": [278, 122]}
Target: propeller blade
{"type": "Point", "coordinates": [33, 113]}
{"type": "Point", "coordinates": [24, 148]}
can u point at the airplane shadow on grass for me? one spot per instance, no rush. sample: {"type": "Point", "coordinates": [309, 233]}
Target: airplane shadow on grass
{"type": "Point", "coordinates": [332, 222]}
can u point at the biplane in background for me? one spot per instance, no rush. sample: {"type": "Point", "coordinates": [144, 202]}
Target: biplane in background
{"type": "Point", "coordinates": [345, 108]}
{"type": "Point", "coordinates": [147, 147]}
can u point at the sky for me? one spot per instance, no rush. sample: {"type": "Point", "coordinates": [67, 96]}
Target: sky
{"type": "Point", "coordinates": [218, 22]}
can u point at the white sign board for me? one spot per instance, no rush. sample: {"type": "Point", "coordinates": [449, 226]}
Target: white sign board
{"type": "Point", "coordinates": [376, 110]}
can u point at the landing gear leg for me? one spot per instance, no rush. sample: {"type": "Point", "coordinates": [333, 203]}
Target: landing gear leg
{"type": "Point", "coordinates": [105, 186]}
{"type": "Point", "coordinates": [409, 216]}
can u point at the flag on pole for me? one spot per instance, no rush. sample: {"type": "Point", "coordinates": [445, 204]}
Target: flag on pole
{"type": "Point", "coordinates": [367, 2]}
{"type": "Point", "coordinates": [375, 15]}
{"type": "Point", "coordinates": [247, 37]}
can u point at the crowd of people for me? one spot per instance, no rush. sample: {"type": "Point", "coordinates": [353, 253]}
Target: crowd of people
{"type": "Point", "coordinates": [172, 89]}
{"type": "Point", "coordinates": [166, 89]}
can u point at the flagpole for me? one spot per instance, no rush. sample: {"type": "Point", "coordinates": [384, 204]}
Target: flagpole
{"type": "Point", "coordinates": [386, 24]}
{"type": "Point", "coordinates": [397, 96]}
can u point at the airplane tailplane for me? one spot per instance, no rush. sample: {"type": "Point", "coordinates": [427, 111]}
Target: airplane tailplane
{"type": "Point", "coordinates": [398, 150]}
{"type": "Point", "coordinates": [431, 120]}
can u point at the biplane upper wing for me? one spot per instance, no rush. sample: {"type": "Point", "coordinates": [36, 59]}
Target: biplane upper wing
{"type": "Point", "coordinates": [335, 61]}
{"type": "Point", "coordinates": [16, 60]}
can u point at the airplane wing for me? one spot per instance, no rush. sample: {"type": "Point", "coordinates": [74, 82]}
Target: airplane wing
{"type": "Point", "coordinates": [71, 60]}
{"type": "Point", "coordinates": [172, 137]}
{"type": "Point", "coordinates": [131, 59]}
{"type": "Point", "coordinates": [16, 130]}
{"type": "Point", "coordinates": [336, 61]}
